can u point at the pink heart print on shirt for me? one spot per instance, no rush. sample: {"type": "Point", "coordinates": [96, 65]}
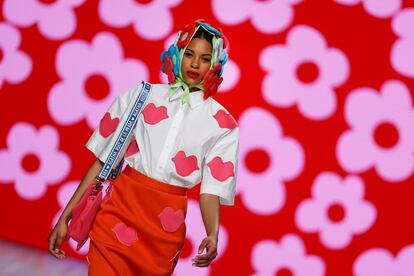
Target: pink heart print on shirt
{"type": "Point", "coordinates": [126, 235]}
{"type": "Point", "coordinates": [108, 125]}
{"type": "Point", "coordinates": [132, 148]}
{"type": "Point", "coordinates": [153, 115]}
{"type": "Point", "coordinates": [219, 170]}
{"type": "Point", "coordinates": [185, 165]}
{"type": "Point", "coordinates": [171, 220]}
{"type": "Point", "coordinates": [225, 120]}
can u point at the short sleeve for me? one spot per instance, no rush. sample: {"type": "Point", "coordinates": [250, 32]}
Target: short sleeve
{"type": "Point", "coordinates": [220, 168]}
{"type": "Point", "coordinates": [101, 141]}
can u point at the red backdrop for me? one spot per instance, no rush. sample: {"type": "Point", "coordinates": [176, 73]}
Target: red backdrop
{"type": "Point", "coordinates": [322, 91]}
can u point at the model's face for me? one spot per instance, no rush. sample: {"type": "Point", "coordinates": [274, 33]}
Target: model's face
{"type": "Point", "coordinates": [196, 61]}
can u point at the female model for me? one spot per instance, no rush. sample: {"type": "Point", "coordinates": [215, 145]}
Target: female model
{"type": "Point", "coordinates": [183, 138]}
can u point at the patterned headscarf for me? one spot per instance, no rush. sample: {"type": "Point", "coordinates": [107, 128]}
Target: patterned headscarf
{"type": "Point", "coordinates": [173, 56]}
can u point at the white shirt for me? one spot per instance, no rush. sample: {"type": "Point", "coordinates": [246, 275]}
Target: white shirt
{"type": "Point", "coordinates": [182, 145]}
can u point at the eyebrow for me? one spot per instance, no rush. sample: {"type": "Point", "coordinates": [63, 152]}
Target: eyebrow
{"type": "Point", "coordinates": [193, 52]}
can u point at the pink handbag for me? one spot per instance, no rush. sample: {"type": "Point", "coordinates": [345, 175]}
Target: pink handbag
{"type": "Point", "coordinates": [84, 212]}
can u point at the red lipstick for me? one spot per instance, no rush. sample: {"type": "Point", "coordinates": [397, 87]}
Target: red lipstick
{"type": "Point", "coordinates": [192, 74]}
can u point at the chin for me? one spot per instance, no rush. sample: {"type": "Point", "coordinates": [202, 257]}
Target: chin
{"type": "Point", "coordinates": [192, 81]}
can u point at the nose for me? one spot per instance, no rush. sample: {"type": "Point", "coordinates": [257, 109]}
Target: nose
{"type": "Point", "coordinates": [194, 63]}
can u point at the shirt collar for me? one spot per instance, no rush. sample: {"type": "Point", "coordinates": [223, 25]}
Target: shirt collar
{"type": "Point", "coordinates": [195, 98]}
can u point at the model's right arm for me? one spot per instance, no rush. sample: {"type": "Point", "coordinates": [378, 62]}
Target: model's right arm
{"type": "Point", "coordinates": [59, 231]}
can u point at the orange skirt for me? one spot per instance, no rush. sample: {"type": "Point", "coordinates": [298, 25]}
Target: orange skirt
{"type": "Point", "coordinates": [140, 228]}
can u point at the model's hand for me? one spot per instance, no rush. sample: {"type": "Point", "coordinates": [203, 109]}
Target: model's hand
{"type": "Point", "coordinates": [55, 239]}
{"type": "Point", "coordinates": [210, 245]}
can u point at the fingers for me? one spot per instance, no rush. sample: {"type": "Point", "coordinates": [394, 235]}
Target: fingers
{"type": "Point", "coordinates": [208, 257]}
{"type": "Point", "coordinates": [58, 251]}
{"type": "Point", "coordinates": [204, 260]}
{"type": "Point", "coordinates": [54, 246]}
{"type": "Point", "coordinates": [55, 252]}
{"type": "Point", "coordinates": [58, 243]}
{"type": "Point", "coordinates": [52, 239]}
{"type": "Point", "coordinates": [201, 247]}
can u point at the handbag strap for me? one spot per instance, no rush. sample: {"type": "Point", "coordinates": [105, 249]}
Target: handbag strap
{"type": "Point", "coordinates": [124, 134]}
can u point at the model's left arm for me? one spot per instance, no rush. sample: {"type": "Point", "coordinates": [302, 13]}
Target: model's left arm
{"type": "Point", "coordinates": [218, 187]}
{"type": "Point", "coordinates": [210, 211]}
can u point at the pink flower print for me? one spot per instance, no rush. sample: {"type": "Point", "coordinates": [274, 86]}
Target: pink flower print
{"type": "Point", "coordinates": [55, 20]}
{"type": "Point", "coordinates": [380, 9]}
{"type": "Point", "coordinates": [288, 257]}
{"type": "Point", "coordinates": [231, 76]}
{"type": "Point", "coordinates": [32, 160]}
{"type": "Point", "coordinates": [267, 160]}
{"type": "Point", "coordinates": [152, 21]}
{"type": "Point", "coordinates": [266, 16]}
{"type": "Point", "coordinates": [63, 196]}
{"type": "Point", "coordinates": [310, 73]}
{"type": "Point", "coordinates": [15, 65]}
{"type": "Point", "coordinates": [195, 234]}
{"type": "Point", "coordinates": [163, 77]}
{"type": "Point", "coordinates": [381, 133]}
{"type": "Point", "coordinates": [379, 261]}
{"type": "Point", "coordinates": [336, 210]}
{"type": "Point", "coordinates": [402, 56]}
{"type": "Point", "coordinates": [92, 76]}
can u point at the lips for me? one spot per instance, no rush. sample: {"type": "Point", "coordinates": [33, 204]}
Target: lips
{"type": "Point", "coordinates": [221, 170]}
{"type": "Point", "coordinates": [171, 220]}
{"type": "Point", "coordinates": [126, 235]}
{"type": "Point", "coordinates": [193, 74]}
{"type": "Point", "coordinates": [185, 165]}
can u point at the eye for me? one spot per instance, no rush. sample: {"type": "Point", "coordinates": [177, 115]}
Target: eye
{"type": "Point", "coordinates": [206, 59]}
{"type": "Point", "coordinates": [187, 54]}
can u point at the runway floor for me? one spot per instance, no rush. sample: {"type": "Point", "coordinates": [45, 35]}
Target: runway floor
{"type": "Point", "coordinates": [19, 260]}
